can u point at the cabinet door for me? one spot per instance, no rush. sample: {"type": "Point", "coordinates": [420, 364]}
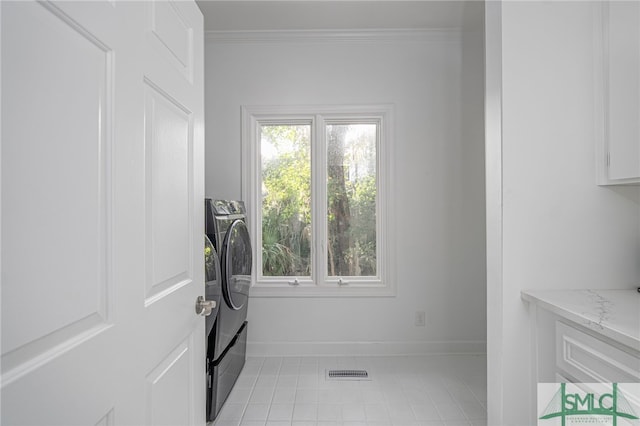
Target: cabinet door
{"type": "Point", "coordinates": [621, 43]}
{"type": "Point", "coordinates": [589, 359]}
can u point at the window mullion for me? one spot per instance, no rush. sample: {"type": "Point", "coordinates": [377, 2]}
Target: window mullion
{"type": "Point", "coordinates": [319, 196]}
{"type": "Point", "coordinates": [382, 180]}
{"type": "Point", "coordinates": [256, 197]}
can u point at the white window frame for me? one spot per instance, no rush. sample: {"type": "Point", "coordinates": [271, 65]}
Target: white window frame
{"type": "Point", "coordinates": [319, 284]}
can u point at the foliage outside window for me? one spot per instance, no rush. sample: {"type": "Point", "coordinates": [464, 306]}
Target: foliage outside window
{"type": "Point", "coordinates": [286, 199]}
{"type": "Point", "coordinates": [351, 199]}
{"type": "Point", "coordinates": [315, 184]}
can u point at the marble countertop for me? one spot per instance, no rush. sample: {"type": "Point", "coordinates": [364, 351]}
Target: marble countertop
{"type": "Point", "coordinates": [612, 313]}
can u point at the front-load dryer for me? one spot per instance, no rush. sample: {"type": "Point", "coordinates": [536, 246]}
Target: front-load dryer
{"type": "Point", "coordinates": [225, 223]}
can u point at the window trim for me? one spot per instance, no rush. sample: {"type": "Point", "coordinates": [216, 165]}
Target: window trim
{"type": "Point", "coordinates": [319, 285]}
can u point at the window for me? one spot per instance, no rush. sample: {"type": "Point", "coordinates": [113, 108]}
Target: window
{"type": "Point", "coordinates": [316, 185]}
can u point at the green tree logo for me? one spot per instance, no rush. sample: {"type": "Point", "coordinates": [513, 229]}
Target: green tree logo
{"type": "Point", "coordinates": [585, 407]}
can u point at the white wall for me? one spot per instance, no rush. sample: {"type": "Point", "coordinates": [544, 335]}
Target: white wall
{"type": "Point", "coordinates": [559, 230]}
{"type": "Point", "coordinates": [435, 81]}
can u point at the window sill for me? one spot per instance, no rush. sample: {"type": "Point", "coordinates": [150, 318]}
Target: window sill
{"type": "Point", "coordinates": [310, 290]}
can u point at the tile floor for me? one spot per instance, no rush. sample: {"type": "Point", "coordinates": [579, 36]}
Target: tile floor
{"type": "Point", "coordinates": [443, 390]}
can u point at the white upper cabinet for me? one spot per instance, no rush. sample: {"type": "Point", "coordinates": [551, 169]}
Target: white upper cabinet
{"type": "Point", "coordinates": [618, 80]}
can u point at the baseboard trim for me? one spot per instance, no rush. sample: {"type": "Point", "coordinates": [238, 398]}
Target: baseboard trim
{"type": "Point", "coordinates": [365, 348]}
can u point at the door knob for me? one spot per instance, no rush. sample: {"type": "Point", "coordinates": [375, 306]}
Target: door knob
{"type": "Point", "coordinates": [204, 307]}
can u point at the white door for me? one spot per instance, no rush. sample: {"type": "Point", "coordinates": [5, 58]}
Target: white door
{"type": "Point", "coordinates": [102, 222]}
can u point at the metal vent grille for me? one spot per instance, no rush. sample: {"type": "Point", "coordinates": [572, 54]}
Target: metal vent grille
{"type": "Point", "coordinates": [347, 375]}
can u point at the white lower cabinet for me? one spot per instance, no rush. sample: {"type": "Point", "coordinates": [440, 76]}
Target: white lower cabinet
{"type": "Point", "coordinates": [586, 358]}
{"type": "Point", "coordinates": [590, 338]}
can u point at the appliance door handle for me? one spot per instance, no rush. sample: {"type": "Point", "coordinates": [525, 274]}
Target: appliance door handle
{"type": "Point", "coordinates": [204, 307]}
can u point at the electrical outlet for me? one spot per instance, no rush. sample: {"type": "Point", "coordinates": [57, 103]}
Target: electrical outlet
{"type": "Point", "coordinates": [420, 319]}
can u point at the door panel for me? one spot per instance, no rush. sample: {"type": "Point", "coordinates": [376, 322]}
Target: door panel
{"type": "Point", "coordinates": [65, 245]}
{"type": "Point", "coordinates": [101, 236]}
{"type": "Point", "coordinates": [169, 386]}
{"type": "Point", "coordinates": [168, 143]}
{"type": "Point", "coordinates": [172, 35]}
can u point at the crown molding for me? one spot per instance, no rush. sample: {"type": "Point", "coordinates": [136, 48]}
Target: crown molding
{"type": "Point", "coordinates": [333, 36]}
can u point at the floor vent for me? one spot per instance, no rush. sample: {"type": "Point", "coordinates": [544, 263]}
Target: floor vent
{"type": "Point", "coordinates": [347, 375]}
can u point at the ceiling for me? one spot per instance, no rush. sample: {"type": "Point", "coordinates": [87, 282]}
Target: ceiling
{"type": "Point", "coordinates": [267, 15]}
